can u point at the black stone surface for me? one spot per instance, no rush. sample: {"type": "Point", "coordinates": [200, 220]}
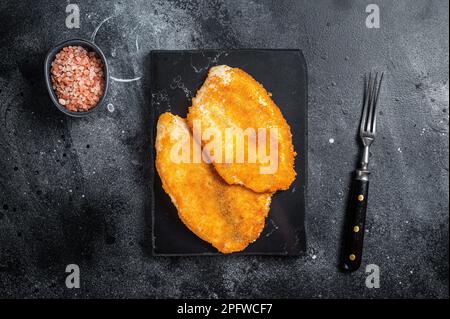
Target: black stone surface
{"type": "Point", "coordinates": [76, 191]}
{"type": "Point", "coordinates": [175, 77]}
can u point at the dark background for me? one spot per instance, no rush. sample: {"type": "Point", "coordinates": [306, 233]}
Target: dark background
{"type": "Point", "coordinates": [77, 190]}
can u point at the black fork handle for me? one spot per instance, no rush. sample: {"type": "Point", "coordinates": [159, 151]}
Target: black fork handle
{"type": "Point", "coordinates": [356, 222]}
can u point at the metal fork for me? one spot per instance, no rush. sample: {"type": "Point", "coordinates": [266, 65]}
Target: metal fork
{"type": "Point", "coordinates": [356, 213]}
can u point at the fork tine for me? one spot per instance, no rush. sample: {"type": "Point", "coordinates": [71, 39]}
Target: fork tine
{"type": "Point", "coordinates": [371, 103]}
{"type": "Point", "coordinates": [367, 81]}
{"type": "Point", "coordinates": [374, 124]}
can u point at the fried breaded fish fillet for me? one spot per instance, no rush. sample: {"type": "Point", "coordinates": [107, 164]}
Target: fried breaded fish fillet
{"type": "Point", "coordinates": [231, 99]}
{"type": "Point", "coordinates": [229, 217]}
